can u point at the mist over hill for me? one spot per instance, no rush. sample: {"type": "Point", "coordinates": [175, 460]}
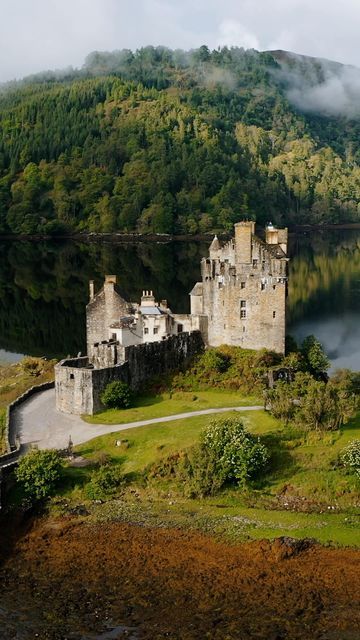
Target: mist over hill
{"type": "Point", "coordinates": [180, 142]}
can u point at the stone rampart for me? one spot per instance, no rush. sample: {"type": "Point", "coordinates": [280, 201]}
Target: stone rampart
{"type": "Point", "coordinates": [79, 384]}
{"type": "Point", "coordinates": [152, 359]}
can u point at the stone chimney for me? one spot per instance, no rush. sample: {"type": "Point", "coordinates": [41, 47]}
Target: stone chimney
{"type": "Point", "coordinates": [243, 242]}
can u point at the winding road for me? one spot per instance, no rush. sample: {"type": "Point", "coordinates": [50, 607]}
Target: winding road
{"type": "Point", "coordinates": [37, 422]}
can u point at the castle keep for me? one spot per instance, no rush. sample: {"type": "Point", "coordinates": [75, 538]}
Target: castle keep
{"type": "Point", "coordinates": [243, 289]}
{"type": "Point", "coordinates": [240, 301]}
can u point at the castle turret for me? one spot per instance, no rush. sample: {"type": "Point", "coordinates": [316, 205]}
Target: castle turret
{"type": "Point", "coordinates": [276, 236]}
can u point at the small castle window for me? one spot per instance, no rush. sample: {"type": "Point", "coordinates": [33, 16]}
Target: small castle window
{"type": "Point", "coordinates": [242, 313]}
{"type": "Point", "coordinates": [262, 286]}
{"type": "Point", "coordinates": [180, 328]}
{"type": "Point", "coordinates": [244, 329]}
{"type": "Point", "coordinates": [274, 286]}
{"type": "Point", "coordinates": [242, 304]}
{"type": "Point", "coordinates": [72, 376]}
{"type": "Point", "coordinates": [274, 314]}
{"type": "Point", "coordinates": [255, 264]}
{"type": "Point", "coordinates": [155, 330]}
{"type": "Point", "coordinates": [242, 285]}
{"type": "Point", "coordinates": [146, 330]}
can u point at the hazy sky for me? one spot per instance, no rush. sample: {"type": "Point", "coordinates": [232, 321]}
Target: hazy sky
{"type": "Point", "coordinates": [48, 34]}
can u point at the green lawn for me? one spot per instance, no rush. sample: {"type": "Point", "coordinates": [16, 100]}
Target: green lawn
{"type": "Point", "coordinates": [152, 442]}
{"type": "Point", "coordinates": [147, 407]}
{"type": "Point", "coordinates": [304, 463]}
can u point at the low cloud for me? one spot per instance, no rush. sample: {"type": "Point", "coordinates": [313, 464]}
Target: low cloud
{"type": "Point", "coordinates": [323, 87]}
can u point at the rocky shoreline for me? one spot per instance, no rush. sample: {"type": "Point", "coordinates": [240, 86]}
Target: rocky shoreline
{"type": "Point", "coordinates": [92, 236]}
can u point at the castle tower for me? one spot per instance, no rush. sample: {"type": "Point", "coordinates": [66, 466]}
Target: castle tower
{"type": "Point", "coordinates": [104, 308]}
{"type": "Point", "coordinates": [243, 289]}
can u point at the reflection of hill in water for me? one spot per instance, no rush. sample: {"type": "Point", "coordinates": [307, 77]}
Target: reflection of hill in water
{"type": "Point", "coordinates": [44, 285]}
{"type": "Point", "coordinates": [324, 275]}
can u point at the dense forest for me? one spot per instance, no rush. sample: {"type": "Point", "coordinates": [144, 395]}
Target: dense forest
{"type": "Point", "coordinates": [162, 141]}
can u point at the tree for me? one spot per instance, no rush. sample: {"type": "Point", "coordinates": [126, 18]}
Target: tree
{"type": "Point", "coordinates": [38, 472]}
{"type": "Point", "coordinates": [315, 356]}
{"type": "Point", "coordinates": [227, 452]}
{"type": "Point", "coordinates": [281, 401]}
{"type": "Point", "coordinates": [117, 395]}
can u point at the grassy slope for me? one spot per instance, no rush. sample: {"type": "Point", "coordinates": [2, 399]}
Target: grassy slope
{"type": "Point", "coordinates": [147, 407]}
{"type": "Point", "coordinates": [304, 463]}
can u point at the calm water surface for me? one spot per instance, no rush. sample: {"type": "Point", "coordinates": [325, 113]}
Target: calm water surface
{"type": "Point", "coordinates": [44, 289]}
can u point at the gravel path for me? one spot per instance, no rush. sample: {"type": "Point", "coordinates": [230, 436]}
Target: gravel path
{"type": "Point", "coordinates": [38, 422]}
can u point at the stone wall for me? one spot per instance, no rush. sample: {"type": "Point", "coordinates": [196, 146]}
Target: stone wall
{"type": "Point", "coordinates": [153, 359]}
{"type": "Point", "coordinates": [73, 386]}
{"type": "Point", "coordinates": [79, 387]}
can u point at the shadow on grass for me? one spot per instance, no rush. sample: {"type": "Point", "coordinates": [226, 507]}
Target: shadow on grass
{"type": "Point", "coordinates": [282, 463]}
{"type": "Point", "coordinates": [147, 401]}
{"type": "Point", "coordinates": [73, 477]}
{"type": "Point", "coordinates": [352, 425]}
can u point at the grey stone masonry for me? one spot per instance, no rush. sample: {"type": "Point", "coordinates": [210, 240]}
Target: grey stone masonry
{"type": "Point", "coordinates": [244, 288]}
{"type": "Point", "coordinates": [79, 384]}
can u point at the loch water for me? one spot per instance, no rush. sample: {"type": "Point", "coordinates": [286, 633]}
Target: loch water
{"type": "Point", "coordinates": [44, 288]}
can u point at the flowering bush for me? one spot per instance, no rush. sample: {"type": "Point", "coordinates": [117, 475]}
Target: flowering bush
{"type": "Point", "coordinates": [239, 454]}
{"type": "Point", "coordinates": [350, 457]}
{"type": "Point", "coordinates": [227, 452]}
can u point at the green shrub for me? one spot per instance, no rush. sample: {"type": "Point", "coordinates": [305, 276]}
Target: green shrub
{"type": "Point", "coordinates": [117, 395]}
{"type": "Point", "coordinates": [350, 457]}
{"type": "Point", "coordinates": [215, 361]}
{"type": "Point", "coordinates": [38, 472]}
{"type": "Point", "coordinates": [227, 452]}
{"type": "Point", "coordinates": [103, 482]}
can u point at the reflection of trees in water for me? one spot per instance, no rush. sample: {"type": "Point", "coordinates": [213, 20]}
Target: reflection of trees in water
{"type": "Point", "coordinates": [324, 274]}
{"type": "Point", "coordinates": [44, 286]}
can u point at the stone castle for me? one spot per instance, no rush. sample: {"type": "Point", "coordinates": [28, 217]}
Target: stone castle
{"type": "Point", "coordinates": [240, 301]}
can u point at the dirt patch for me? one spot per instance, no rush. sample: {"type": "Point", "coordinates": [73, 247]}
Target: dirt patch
{"type": "Point", "coordinates": [71, 580]}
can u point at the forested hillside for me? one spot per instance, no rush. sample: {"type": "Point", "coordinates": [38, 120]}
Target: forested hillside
{"type": "Point", "coordinates": [173, 142]}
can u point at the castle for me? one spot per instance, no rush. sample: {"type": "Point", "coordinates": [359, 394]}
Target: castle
{"type": "Point", "coordinates": [240, 301]}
